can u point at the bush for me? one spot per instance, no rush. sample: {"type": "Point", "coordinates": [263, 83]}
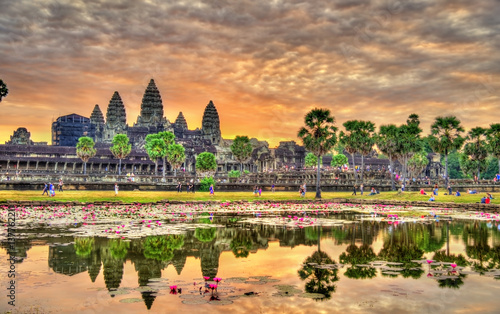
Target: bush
{"type": "Point", "coordinates": [234, 174]}
{"type": "Point", "coordinates": [205, 184]}
{"type": "Point", "coordinates": [246, 171]}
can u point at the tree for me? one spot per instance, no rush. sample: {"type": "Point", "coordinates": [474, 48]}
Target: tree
{"type": "Point", "coordinates": [241, 149]}
{"type": "Point", "coordinates": [318, 136]}
{"type": "Point", "coordinates": [417, 163]}
{"type": "Point", "coordinates": [320, 280]}
{"type": "Point", "coordinates": [475, 149]}
{"type": "Point", "coordinates": [470, 167]}
{"type": "Point", "coordinates": [366, 138]}
{"type": "Point", "coordinates": [445, 137]}
{"type": "Point", "coordinates": [85, 150]}
{"type": "Point", "coordinates": [155, 148]}
{"type": "Point", "coordinates": [3, 90]}
{"type": "Point", "coordinates": [493, 136]}
{"type": "Point", "coordinates": [176, 156]}
{"type": "Point", "coordinates": [350, 142]}
{"type": "Point", "coordinates": [387, 142]}
{"type": "Point", "coordinates": [454, 169]}
{"type": "Point", "coordinates": [206, 163]}
{"type": "Point", "coordinates": [169, 139]}
{"type": "Point", "coordinates": [120, 149]}
{"type": "Point", "coordinates": [409, 142]}
{"type": "Point", "coordinates": [311, 160]}
{"type": "Point", "coordinates": [339, 160]}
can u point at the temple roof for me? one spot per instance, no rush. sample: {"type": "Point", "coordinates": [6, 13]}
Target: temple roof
{"type": "Point", "coordinates": [97, 117]}
{"type": "Point", "coordinates": [116, 111]}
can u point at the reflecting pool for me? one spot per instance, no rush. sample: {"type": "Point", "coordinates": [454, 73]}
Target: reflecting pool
{"type": "Point", "coordinates": [222, 263]}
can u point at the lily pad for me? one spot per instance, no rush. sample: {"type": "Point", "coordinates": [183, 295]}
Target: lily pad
{"type": "Point", "coordinates": [220, 302]}
{"type": "Point", "coordinates": [131, 300]}
{"type": "Point", "coordinates": [195, 301]}
{"type": "Point", "coordinates": [312, 295]}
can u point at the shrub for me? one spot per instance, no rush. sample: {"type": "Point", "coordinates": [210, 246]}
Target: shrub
{"type": "Point", "coordinates": [234, 174]}
{"type": "Point", "coordinates": [205, 184]}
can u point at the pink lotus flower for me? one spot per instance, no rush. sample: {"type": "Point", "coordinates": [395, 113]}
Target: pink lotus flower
{"type": "Point", "coordinates": [429, 261]}
{"type": "Point", "coordinates": [453, 265]}
{"type": "Point", "coordinates": [206, 277]}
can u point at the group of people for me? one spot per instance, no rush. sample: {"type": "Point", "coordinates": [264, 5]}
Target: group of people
{"type": "Point", "coordinates": [189, 187]}
{"type": "Point", "coordinates": [361, 187]}
{"type": "Point", "coordinates": [257, 191]}
{"type": "Point", "coordinates": [49, 188]}
{"type": "Point", "coordinates": [303, 190]}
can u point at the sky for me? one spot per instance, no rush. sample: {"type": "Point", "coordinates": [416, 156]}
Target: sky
{"type": "Point", "coordinates": [264, 63]}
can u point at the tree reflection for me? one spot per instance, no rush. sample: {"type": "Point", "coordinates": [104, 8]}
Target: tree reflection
{"type": "Point", "coordinates": [205, 234]}
{"type": "Point", "coordinates": [356, 256]}
{"type": "Point", "coordinates": [161, 248]}
{"type": "Point", "coordinates": [241, 244]}
{"type": "Point", "coordinates": [320, 280]}
{"type": "Point", "coordinates": [118, 248]}
{"type": "Point", "coordinates": [84, 246]}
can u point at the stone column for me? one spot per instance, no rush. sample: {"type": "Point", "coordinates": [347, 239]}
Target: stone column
{"type": "Point", "coordinates": [46, 165]}
{"type": "Point", "coordinates": [36, 167]}
{"type": "Point", "coordinates": [65, 166]}
{"type": "Point", "coordinates": [17, 167]}
{"type": "Point", "coordinates": [27, 165]}
{"type": "Point", "coordinates": [55, 167]}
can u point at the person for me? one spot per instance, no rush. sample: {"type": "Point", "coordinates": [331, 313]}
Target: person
{"type": "Point", "coordinates": [302, 191]}
{"type": "Point", "coordinates": [179, 187]}
{"type": "Point", "coordinates": [188, 187]}
{"type": "Point", "coordinates": [422, 192]}
{"type": "Point", "coordinates": [449, 190]}
{"type": "Point", "coordinates": [60, 185]}
{"type": "Point", "coordinates": [497, 177]}
{"type": "Point", "coordinates": [361, 188]}
{"type": "Point", "coordinates": [373, 191]}
{"type": "Point", "coordinates": [402, 187]}
{"type": "Point", "coordinates": [211, 190]}
{"type": "Point", "coordinates": [435, 191]}
{"type": "Point", "coordinates": [305, 188]}
{"type": "Point", "coordinates": [489, 196]}
{"type": "Point", "coordinates": [458, 193]}
{"type": "Point", "coordinates": [255, 190]}
{"type": "Point", "coordinates": [45, 189]}
{"type": "Point", "coordinates": [272, 188]}
{"type": "Point", "coordinates": [432, 199]}
{"type": "Point", "coordinates": [52, 192]}
{"type": "Point", "coordinates": [132, 177]}
{"type": "Point", "coordinates": [472, 191]}
{"type": "Point", "coordinates": [354, 190]}
{"type": "Point", "coordinates": [260, 191]}
{"type": "Point", "coordinates": [483, 200]}
{"type": "Point", "coordinates": [116, 189]}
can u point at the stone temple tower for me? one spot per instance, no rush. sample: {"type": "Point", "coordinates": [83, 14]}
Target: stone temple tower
{"type": "Point", "coordinates": [97, 121]}
{"type": "Point", "coordinates": [116, 119]}
{"type": "Point", "coordinates": [180, 126]}
{"type": "Point", "coordinates": [151, 107]}
{"type": "Point", "coordinates": [210, 125]}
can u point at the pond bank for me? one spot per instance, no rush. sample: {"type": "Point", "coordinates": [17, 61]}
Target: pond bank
{"type": "Point", "coordinates": [465, 206]}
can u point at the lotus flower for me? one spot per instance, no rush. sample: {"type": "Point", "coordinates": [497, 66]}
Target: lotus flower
{"type": "Point", "coordinates": [453, 265]}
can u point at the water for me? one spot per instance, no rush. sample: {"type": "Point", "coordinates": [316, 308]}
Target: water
{"type": "Point", "coordinates": [350, 266]}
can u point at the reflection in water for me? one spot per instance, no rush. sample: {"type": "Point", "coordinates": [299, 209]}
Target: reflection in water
{"type": "Point", "coordinates": [403, 248]}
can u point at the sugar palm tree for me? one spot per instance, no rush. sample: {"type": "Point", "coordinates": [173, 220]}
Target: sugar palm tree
{"type": "Point", "coordinates": [85, 150]}
{"type": "Point", "coordinates": [318, 136]}
{"type": "Point", "coordinates": [169, 139]}
{"type": "Point", "coordinates": [176, 156]}
{"type": "Point", "coordinates": [3, 90]}
{"type": "Point", "coordinates": [349, 139]}
{"type": "Point", "coordinates": [493, 136]}
{"type": "Point", "coordinates": [475, 149]}
{"type": "Point", "coordinates": [155, 148]}
{"type": "Point", "coordinates": [445, 137]}
{"type": "Point", "coordinates": [120, 149]}
{"type": "Point", "coordinates": [387, 142]}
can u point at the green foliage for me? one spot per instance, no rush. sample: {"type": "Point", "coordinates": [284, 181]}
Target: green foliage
{"type": "Point", "coordinates": [319, 136]}
{"type": "Point", "coordinates": [417, 163]}
{"type": "Point", "coordinates": [118, 248]}
{"type": "Point", "coordinates": [234, 174]}
{"type": "Point", "coordinates": [85, 150]}
{"type": "Point", "coordinates": [470, 167]}
{"type": "Point", "coordinates": [475, 151]}
{"type": "Point", "coordinates": [241, 247]}
{"type": "Point", "coordinates": [387, 140]}
{"type": "Point", "coordinates": [339, 160]}
{"type": "Point", "coordinates": [246, 172]}
{"type": "Point", "coordinates": [3, 90]}
{"type": "Point", "coordinates": [176, 155]}
{"type": "Point", "coordinates": [339, 148]}
{"type": "Point", "coordinates": [493, 139]}
{"type": "Point", "coordinates": [241, 148]}
{"type": "Point", "coordinates": [359, 137]}
{"type": "Point", "coordinates": [312, 161]}
{"type": "Point", "coordinates": [454, 169]}
{"type": "Point", "coordinates": [121, 147]}
{"type": "Point", "coordinates": [161, 248]}
{"type": "Point", "coordinates": [205, 184]}
{"type": "Point", "coordinates": [167, 137]}
{"type": "Point", "coordinates": [491, 169]}
{"type": "Point", "coordinates": [155, 147]}
{"type": "Point", "coordinates": [206, 163]}
{"type": "Point", "coordinates": [84, 246]}
{"type": "Point", "coordinates": [319, 280]}
{"type": "Point", "coordinates": [205, 234]}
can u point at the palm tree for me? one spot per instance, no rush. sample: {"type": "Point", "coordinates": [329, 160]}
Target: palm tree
{"type": "Point", "coordinates": [155, 148]}
{"type": "Point", "coordinates": [176, 156]}
{"type": "Point", "coordinates": [350, 142]}
{"type": "Point", "coordinates": [445, 137]}
{"type": "Point", "coordinates": [241, 149]}
{"type": "Point", "coordinates": [3, 90]}
{"type": "Point", "coordinates": [387, 142]}
{"type": "Point", "coordinates": [169, 139]}
{"type": "Point", "coordinates": [120, 149]}
{"type": "Point", "coordinates": [493, 136]}
{"type": "Point", "coordinates": [366, 137]}
{"type": "Point", "coordinates": [318, 136]}
{"type": "Point", "coordinates": [85, 150]}
{"type": "Point", "coordinates": [475, 149]}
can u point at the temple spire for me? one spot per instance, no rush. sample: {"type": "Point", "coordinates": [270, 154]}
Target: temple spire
{"type": "Point", "coordinates": [151, 107]}
{"type": "Point", "coordinates": [210, 125]}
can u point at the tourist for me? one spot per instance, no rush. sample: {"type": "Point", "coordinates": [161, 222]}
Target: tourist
{"type": "Point", "coordinates": [497, 177]}
{"type": "Point", "coordinates": [255, 190]}
{"type": "Point", "coordinates": [211, 190]}
{"type": "Point", "coordinates": [402, 187]}
{"type": "Point", "coordinates": [354, 190]}
{"type": "Point", "coordinates": [422, 192]}
{"type": "Point", "coordinates": [272, 188]}
{"type": "Point", "coordinates": [179, 187]}
{"type": "Point", "coordinates": [60, 185]}
{"type": "Point", "coordinates": [450, 191]}
{"type": "Point", "coordinates": [435, 191]}
{"type": "Point", "coordinates": [188, 187]}
{"type": "Point", "coordinates": [302, 191]}
{"type": "Point", "coordinates": [483, 200]}
{"type": "Point", "coordinates": [373, 191]}
{"type": "Point", "coordinates": [260, 191]}
{"type": "Point", "coordinates": [361, 187]}
{"type": "Point", "coordinates": [458, 193]}
{"type": "Point", "coordinates": [46, 189]}
{"type": "Point", "coordinates": [489, 196]}
{"type": "Point", "coordinates": [305, 188]}
{"type": "Point", "coordinates": [52, 192]}
{"type": "Point", "coordinates": [116, 189]}
{"type": "Point", "coordinates": [132, 177]}
{"type": "Point", "coordinates": [469, 191]}
{"type": "Point", "coordinates": [432, 199]}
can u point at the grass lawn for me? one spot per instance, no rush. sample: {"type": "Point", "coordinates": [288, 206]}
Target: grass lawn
{"type": "Point", "coordinates": [154, 196]}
